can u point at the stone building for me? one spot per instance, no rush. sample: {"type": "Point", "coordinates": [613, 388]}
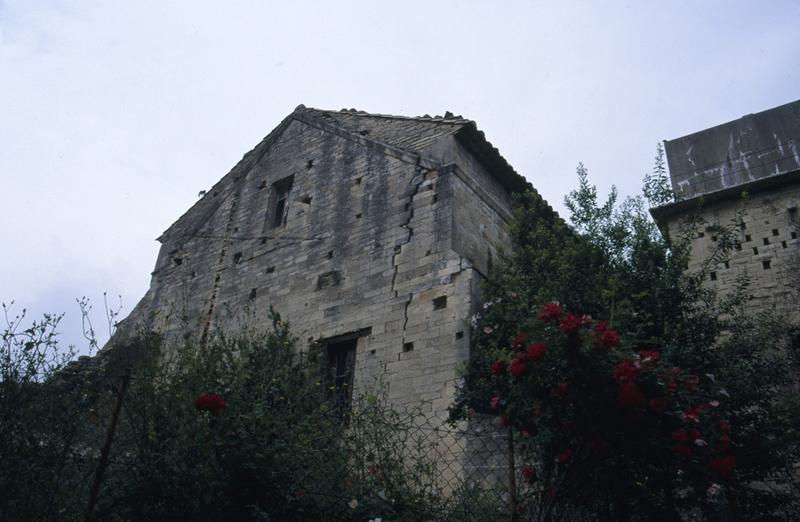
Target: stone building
{"type": "Point", "coordinates": [369, 233]}
{"type": "Point", "coordinates": [743, 174]}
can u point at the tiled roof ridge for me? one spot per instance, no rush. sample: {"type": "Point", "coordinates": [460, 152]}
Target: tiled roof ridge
{"type": "Point", "coordinates": [448, 117]}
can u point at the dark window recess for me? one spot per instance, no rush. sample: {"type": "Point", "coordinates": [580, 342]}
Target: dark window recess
{"type": "Point", "coordinates": [341, 368]}
{"type": "Point", "coordinates": [193, 274]}
{"type": "Point", "coordinates": [713, 276]}
{"type": "Point", "coordinates": [358, 181]}
{"type": "Point", "coordinates": [738, 246]}
{"type": "Point", "coordinates": [766, 241]}
{"type": "Point", "coordinates": [262, 186]}
{"type": "Point", "coordinates": [742, 225]}
{"type": "Point", "coordinates": [263, 241]}
{"type": "Point", "coordinates": [306, 200]}
{"type": "Point", "coordinates": [253, 293]}
{"type": "Point", "coordinates": [279, 209]}
{"type": "Point", "coordinates": [767, 264]}
{"type": "Point", "coordinates": [237, 257]}
{"type": "Point", "coordinates": [755, 251]}
{"type": "Point", "coordinates": [792, 213]}
{"type": "Point", "coordinates": [329, 279]}
{"type": "Point", "coordinates": [727, 265]}
{"type": "Point", "coordinates": [435, 198]}
{"type": "Point", "coordinates": [775, 232]}
{"type": "Point", "coordinates": [794, 235]}
{"type": "Point", "coordinates": [397, 249]}
{"type": "Point", "coordinates": [459, 335]}
{"type": "Point", "coordinates": [270, 269]}
{"type": "Point", "coordinates": [747, 237]}
{"type": "Point", "coordinates": [713, 238]}
{"type": "Point", "coordinates": [427, 252]}
{"type": "Point", "coordinates": [407, 347]}
{"type": "Point", "coordinates": [358, 216]}
{"type": "Point", "coordinates": [701, 234]}
{"type": "Point", "coordinates": [330, 254]}
{"type": "Point", "coordinates": [783, 244]}
{"type": "Point", "coordinates": [177, 260]}
{"type": "Point", "coordinates": [309, 164]}
{"type": "Point", "coordinates": [440, 303]}
{"type": "Point", "coordinates": [363, 132]}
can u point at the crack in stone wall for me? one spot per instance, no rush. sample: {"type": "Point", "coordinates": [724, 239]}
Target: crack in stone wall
{"type": "Point", "coordinates": [417, 183]}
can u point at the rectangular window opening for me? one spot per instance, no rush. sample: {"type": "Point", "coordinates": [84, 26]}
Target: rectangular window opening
{"type": "Point", "coordinates": [766, 241]}
{"type": "Point", "coordinates": [747, 237]}
{"type": "Point", "coordinates": [279, 208]}
{"type": "Point", "coordinates": [713, 276]}
{"type": "Point", "coordinates": [775, 232]}
{"type": "Point", "coordinates": [440, 303]}
{"type": "Point", "coordinates": [767, 264]}
{"type": "Point", "coordinates": [755, 251]}
{"type": "Point", "coordinates": [341, 369]}
{"type": "Point", "coordinates": [407, 347]}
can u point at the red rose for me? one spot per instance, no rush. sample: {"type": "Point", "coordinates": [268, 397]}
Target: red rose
{"type": "Point", "coordinates": [210, 402]}
{"type": "Point", "coordinates": [659, 404]}
{"type": "Point", "coordinates": [519, 341]}
{"type": "Point", "coordinates": [723, 466]}
{"type": "Point", "coordinates": [693, 415]}
{"type": "Point", "coordinates": [550, 311]}
{"type": "Point", "coordinates": [649, 358]}
{"type": "Point", "coordinates": [519, 365]}
{"type": "Point", "coordinates": [680, 436]}
{"type": "Point", "coordinates": [562, 388]}
{"type": "Point", "coordinates": [536, 351]}
{"type": "Point", "coordinates": [630, 396]}
{"type": "Point", "coordinates": [494, 403]}
{"type": "Point", "coordinates": [625, 371]}
{"type": "Point", "coordinates": [570, 324]}
{"type": "Point", "coordinates": [605, 336]}
{"type": "Point", "coordinates": [682, 450]}
{"type": "Point", "coordinates": [529, 473]}
{"type": "Point", "coordinates": [498, 367]}
{"type": "Point", "coordinates": [565, 456]}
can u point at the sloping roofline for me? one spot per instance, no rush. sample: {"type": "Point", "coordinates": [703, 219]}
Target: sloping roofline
{"type": "Point", "coordinates": [467, 135]}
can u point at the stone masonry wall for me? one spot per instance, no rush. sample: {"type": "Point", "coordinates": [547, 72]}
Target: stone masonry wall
{"type": "Point", "coordinates": [767, 252]}
{"type": "Point", "coordinates": [378, 243]}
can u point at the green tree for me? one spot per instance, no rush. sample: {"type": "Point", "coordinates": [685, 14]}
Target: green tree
{"type": "Point", "coordinates": [613, 263]}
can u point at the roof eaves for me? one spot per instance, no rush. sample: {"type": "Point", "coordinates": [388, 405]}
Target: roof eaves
{"type": "Point", "coordinates": [475, 141]}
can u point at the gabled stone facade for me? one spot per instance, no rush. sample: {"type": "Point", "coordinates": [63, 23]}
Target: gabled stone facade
{"type": "Point", "coordinates": [369, 233]}
{"type": "Point", "coordinates": [745, 174]}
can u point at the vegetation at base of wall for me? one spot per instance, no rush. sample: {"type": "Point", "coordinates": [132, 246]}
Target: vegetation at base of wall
{"type": "Point", "coordinates": [238, 428]}
{"type": "Point", "coordinates": [611, 263]}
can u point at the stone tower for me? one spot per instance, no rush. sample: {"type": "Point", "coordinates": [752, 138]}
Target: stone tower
{"type": "Point", "coordinates": [744, 173]}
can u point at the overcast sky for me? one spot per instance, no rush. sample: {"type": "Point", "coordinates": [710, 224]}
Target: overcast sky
{"type": "Point", "coordinates": [114, 115]}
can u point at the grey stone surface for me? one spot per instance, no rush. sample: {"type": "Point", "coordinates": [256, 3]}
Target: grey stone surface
{"type": "Point", "coordinates": [753, 147]}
